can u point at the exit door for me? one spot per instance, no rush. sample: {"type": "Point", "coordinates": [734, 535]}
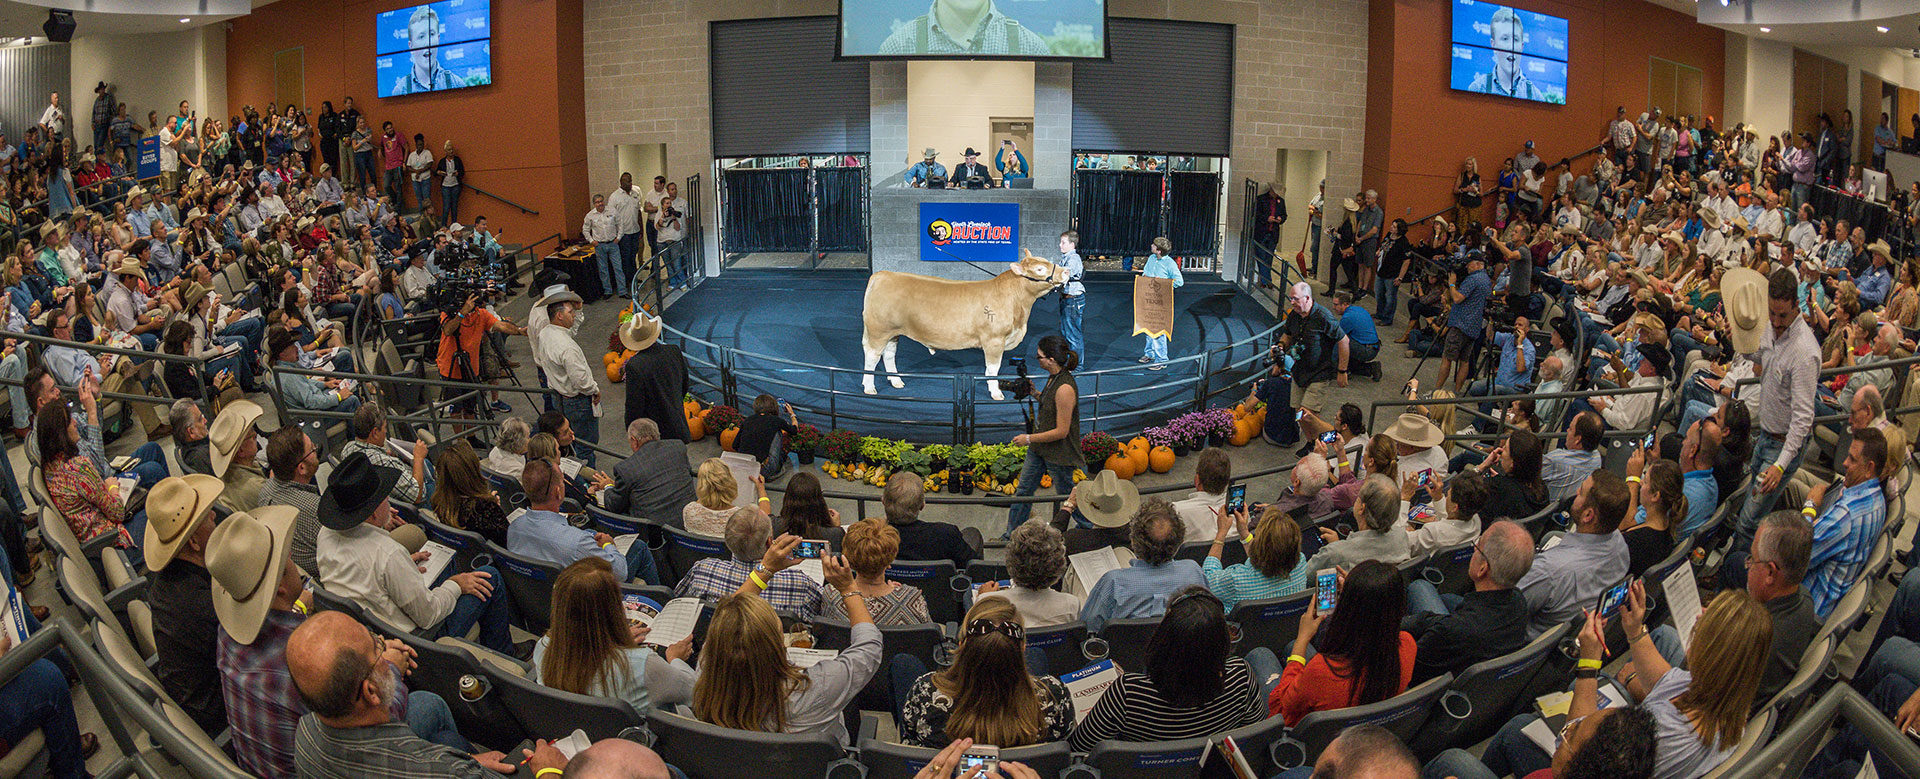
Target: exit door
{"type": "Point", "coordinates": [1018, 129]}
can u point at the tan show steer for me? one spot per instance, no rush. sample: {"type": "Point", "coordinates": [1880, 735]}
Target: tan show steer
{"type": "Point", "coordinates": [988, 315]}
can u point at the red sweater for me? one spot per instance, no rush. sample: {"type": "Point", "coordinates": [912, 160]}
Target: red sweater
{"type": "Point", "coordinates": [1322, 685]}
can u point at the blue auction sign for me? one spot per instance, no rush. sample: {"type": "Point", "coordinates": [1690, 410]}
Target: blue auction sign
{"type": "Point", "coordinates": [978, 232]}
{"type": "Point", "coordinates": [149, 157]}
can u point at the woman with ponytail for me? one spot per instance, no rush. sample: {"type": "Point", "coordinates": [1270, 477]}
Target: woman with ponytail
{"type": "Point", "coordinates": [1655, 506]}
{"type": "Point", "coordinates": [1054, 445]}
{"type": "Point", "coordinates": [987, 694]}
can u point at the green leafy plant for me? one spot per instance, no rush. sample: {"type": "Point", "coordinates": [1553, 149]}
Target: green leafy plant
{"type": "Point", "coordinates": [723, 418]}
{"type": "Point", "coordinates": [1006, 466]}
{"type": "Point", "coordinates": [841, 446]}
{"type": "Point", "coordinates": [917, 462]}
{"type": "Point", "coordinates": [883, 452]}
{"type": "Point", "coordinates": [938, 451]}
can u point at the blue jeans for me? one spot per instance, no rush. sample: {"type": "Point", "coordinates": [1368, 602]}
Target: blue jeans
{"type": "Point", "coordinates": [629, 249]}
{"type": "Point", "coordinates": [393, 188]}
{"type": "Point", "coordinates": [15, 367]}
{"type": "Point", "coordinates": [1902, 626]}
{"type": "Point", "coordinates": [450, 197]}
{"type": "Point", "coordinates": [38, 699]}
{"type": "Point", "coordinates": [1512, 752]}
{"type": "Point", "coordinates": [675, 259]}
{"type": "Point", "coordinates": [640, 563]}
{"type": "Point", "coordinates": [1030, 483]}
{"type": "Point", "coordinates": [1072, 309]}
{"type": "Point", "coordinates": [1156, 350]}
{"type": "Point", "coordinates": [1386, 294]}
{"type": "Point", "coordinates": [152, 465]}
{"type": "Point", "coordinates": [1265, 666]}
{"type": "Point", "coordinates": [1423, 597]}
{"type": "Point", "coordinates": [492, 614]}
{"type": "Point", "coordinates": [1457, 763]}
{"type": "Point", "coordinates": [429, 717]}
{"type": "Point", "coordinates": [363, 162]}
{"type": "Point", "coordinates": [1485, 388]}
{"type": "Point", "coordinates": [613, 277]}
{"type": "Point", "coordinates": [1842, 755]}
{"type": "Point", "coordinates": [1766, 449]}
{"type": "Point", "coordinates": [586, 427]}
{"type": "Point", "coordinates": [423, 192]}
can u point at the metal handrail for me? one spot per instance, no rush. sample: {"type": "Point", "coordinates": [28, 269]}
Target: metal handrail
{"type": "Point", "coordinates": [523, 209]}
{"type": "Point", "coordinates": [1791, 747]}
{"type": "Point", "coordinates": [1652, 420]}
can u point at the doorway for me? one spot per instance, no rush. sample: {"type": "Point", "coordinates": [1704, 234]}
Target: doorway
{"type": "Point", "coordinates": [644, 161]}
{"type": "Point", "coordinates": [290, 76]}
{"type": "Point", "coordinates": [1298, 172]}
{"type": "Point", "coordinates": [1018, 129]}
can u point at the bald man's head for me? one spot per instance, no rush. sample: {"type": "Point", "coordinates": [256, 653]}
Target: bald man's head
{"type": "Point", "coordinates": [332, 659]}
{"type": "Point", "coordinates": [617, 758]}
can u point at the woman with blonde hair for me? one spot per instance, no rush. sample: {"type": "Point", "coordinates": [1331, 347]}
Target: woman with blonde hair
{"type": "Point", "coordinates": [591, 648]}
{"type": "Point", "coordinates": [714, 491]}
{"type": "Point", "coordinates": [987, 694]}
{"type": "Point", "coordinates": [869, 547]}
{"type": "Point", "coordinates": [1274, 565]}
{"type": "Point", "coordinates": [1442, 416]}
{"type": "Point", "coordinates": [746, 681]}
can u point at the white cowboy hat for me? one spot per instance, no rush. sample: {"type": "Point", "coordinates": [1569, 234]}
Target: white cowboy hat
{"type": "Point", "coordinates": [1415, 430]}
{"type": "Point", "coordinates": [1107, 500]}
{"type": "Point", "coordinates": [563, 296]}
{"type": "Point", "coordinates": [174, 507]}
{"type": "Point", "coordinates": [1744, 293]}
{"type": "Point", "coordinates": [640, 332]}
{"type": "Point", "coordinates": [235, 422]}
{"type": "Point", "coordinates": [245, 558]}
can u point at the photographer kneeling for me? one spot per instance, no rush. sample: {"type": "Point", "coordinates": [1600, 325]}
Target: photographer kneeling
{"type": "Point", "coordinates": [462, 356]}
{"type": "Point", "coordinates": [1055, 446]}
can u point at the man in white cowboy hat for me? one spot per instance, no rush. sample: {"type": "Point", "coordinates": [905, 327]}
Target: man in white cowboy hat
{"type": "Point", "coordinates": [557, 352]}
{"type": "Point", "coordinates": [179, 590]}
{"type": "Point", "coordinates": [1789, 357]}
{"type": "Point", "coordinates": [1105, 500]}
{"type": "Point", "coordinates": [1141, 590]}
{"type": "Point", "coordinates": [1876, 282]}
{"type": "Point", "coordinates": [256, 589]}
{"type": "Point", "coordinates": [656, 377]}
{"type": "Point", "coordinates": [235, 442]}
{"type": "Point", "coordinates": [1416, 440]}
{"type": "Point", "coordinates": [927, 168]}
{"type": "Point", "coordinates": [129, 310]}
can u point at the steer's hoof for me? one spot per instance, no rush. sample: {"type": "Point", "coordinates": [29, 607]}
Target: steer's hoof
{"type": "Point", "coordinates": [897, 384]}
{"type": "Point", "coordinates": [995, 392]}
{"type": "Point", "coordinates": [870, 390]}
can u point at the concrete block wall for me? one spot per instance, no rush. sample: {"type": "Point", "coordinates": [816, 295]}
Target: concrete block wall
{"type": "Point", "coordinates": [896, 226]}
{"type": "Point", "coordinates": [1300, 70]}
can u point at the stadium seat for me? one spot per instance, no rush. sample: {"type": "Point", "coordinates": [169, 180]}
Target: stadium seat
{"type": "Point", "coordinates": [529, 584]}
{"type": "Point", "coordinates": [26, 758]}
{"type": "Point", "coordinates": [465, 543]}
{"type": "Point", "coordinates": [982, 571]}
{"type": "Point", "coordinates": [1271, 623]}
{"type": "Point", "coordinates": [684, 549]}
{"type": "Point", "coordinates": [1403, 714]}
{"type": "Point", "coordinates": [120, 574]}
{"type": "Point", "coordinates": [1127, 641]}
{"type": "Point", "coordinates": [1140, 760]}
{"type": "Point", "coordinates": [547, 713]}
{"type": "Point", "coordinates": [926, 642]}
{"type": "Point", "coordinates": [706, 751]}
{"type": "Point", "coordinates": [77, 581]}
{"type": "Point", "coordinates": [887, 760]}
{"type": "Point", "coordinates": [1446, 569]}
{"type": "Point", "coordinates": [120, 654]}
{"type": "Point", "coordinates": [1062, 645]}
{"type": "Point", "coordinates": [1759, 729]}
{"type": "Point", "coordinates": [1231, 553]}
{"type": "Point", "coordinates": [1814, 664]}
{"type": "Point", "coordinates": [1484, 696]}
{"type": "Point", "coordinates": [936, 580]}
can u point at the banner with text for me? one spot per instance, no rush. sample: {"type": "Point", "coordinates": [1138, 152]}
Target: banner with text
{"type": "Point", "coordinates": [148, 157]}
{"type": "Point", "coordinates": [977, 232]}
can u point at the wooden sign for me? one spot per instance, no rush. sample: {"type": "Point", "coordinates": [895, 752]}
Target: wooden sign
{"type": "Point", "coordinates": [1152, 306]}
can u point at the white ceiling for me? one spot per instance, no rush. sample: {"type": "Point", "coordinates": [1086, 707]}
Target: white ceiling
{"type": "Point", "coordinates": [1903, 29]}
{"type": "Point", "coordinates": [20, 19]}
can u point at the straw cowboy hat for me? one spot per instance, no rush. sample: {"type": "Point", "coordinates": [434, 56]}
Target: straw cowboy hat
{"type": "Point", "coordinates": [137, 191]}
{"type": "Point", "coordinates": [1740, 223]}
{"type": "Point", "coordinates": [1744, 293]}
{"type": "Point", "coordinates": [174, 507]}
{"type": "Point", "coordinates": [356, 489]}
{"type": "Point", "coordinates": [1711, 217]}
{"type": "Point", "coordinates": [1881, 248]}
{"type": "Point", "coordinates": [563, 296]}
{"type": "Point", "coordinates": [1415, 430]}
{"type": "Point", "coordinates": [192, 294]}
{"type": "Point", "coordinates": [235, 422]}
{"type": "Point", "coordinates": [1107, 500]}
{"type": "Point", "coordinates": [640, 332]}
{"type": "Point", "coordinates": [930, 152]}
{"type": "Point", "coordinates": [1441, 222]}
{"type": "Point", "coordinates": [1674, 236]}
{"type": "Point", "coordinates": [1350, 205]}
{"type": "Point", "coordinates": [246, 557]}
{"type": "Point", "coordinates": [130, 266]}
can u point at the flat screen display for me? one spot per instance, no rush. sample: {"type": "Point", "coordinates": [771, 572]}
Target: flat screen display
{"type": "Point", "coordinates": [974, 29]}
{"type": "Point", "coordinates": [434, 47]}
{"type": "Point", "coordinates": [1500, 50]}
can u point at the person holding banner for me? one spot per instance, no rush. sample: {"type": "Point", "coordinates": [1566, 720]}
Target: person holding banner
{"type": "Point", "coordinates": [1160, 265]}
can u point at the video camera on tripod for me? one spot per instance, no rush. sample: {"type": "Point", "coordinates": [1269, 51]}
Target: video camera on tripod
{"type": "Point", "coordinates": [451, 294]}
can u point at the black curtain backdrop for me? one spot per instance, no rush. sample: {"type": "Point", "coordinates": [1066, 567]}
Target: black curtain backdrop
{"type": "Point", "coordinates": [1193, 207]}
{"type": "Point", "coordinates": [766, 211]}
{"type": "Point", "coordinates": [1118, 212]}
{"type": "Point", "coordinates": [843, 222]}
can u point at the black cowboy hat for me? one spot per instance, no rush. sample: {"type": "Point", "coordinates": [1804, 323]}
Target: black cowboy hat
{"type": "Point", "coordinates": [356, 489]}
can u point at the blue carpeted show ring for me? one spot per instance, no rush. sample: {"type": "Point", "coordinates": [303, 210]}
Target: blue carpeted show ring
{"type": "Point", "coordinates": [796, 335]}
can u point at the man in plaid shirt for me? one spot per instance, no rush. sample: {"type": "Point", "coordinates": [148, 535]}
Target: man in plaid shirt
{"type": "Point", "coordinates": [748, 532]}
{"type": "Point", "coordinates": [1844, 535]}
{"type": "Point", "coordinates": [256, 586]}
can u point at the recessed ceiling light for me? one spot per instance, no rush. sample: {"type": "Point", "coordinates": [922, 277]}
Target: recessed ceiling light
{"type": "Point", "coordinates": [1880, 28]}
{"type": "Point", "coordinates": [1766, 29]}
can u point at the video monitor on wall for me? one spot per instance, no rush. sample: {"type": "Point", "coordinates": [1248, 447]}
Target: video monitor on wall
{"type": "Point", "coordinates": [974, 29]}
{"type": "Point", "coordinates": [1500, 50]}
{"type": "Point", "coordinates": [434, 47]}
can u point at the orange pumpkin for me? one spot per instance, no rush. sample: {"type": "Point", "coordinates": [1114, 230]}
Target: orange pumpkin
{"type": "Point", "coordinates": [1243, 432]}
{"type": "Point", "coordinates": [1121, 465]}
{"type": "Point", "coordinates": [1139, 442]}
{"type": "Point", "coordinates": [727, 436]}
{"type": "Point", "coordinates": [1139, 458]}
{"type": "Point", "coordinates": [696, 428]}
{"type": "Point", "coordinates": [692, 407]}
{"type": "Point", "coordinates": [614, 372]}
{"type": "Point", "coordinates": [1160, 459]}
{"type": "Point", "coordinates": [1046, 480]}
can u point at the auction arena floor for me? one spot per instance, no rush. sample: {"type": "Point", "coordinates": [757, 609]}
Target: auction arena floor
{"type": "Point", "coordinates": [784, 322]}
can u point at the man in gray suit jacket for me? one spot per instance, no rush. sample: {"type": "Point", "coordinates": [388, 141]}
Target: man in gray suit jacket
{"type": "Point", "coordinates": [655, 483]}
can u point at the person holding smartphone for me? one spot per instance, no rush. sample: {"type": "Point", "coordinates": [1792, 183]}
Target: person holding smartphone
{"type": "Point", "coordinates": [1364, 656]}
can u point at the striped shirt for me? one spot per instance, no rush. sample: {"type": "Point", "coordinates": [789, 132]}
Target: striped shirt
{"type": "Point", "coordinates": [376, 752]}
{"type": "Point", "coordinates": [1791, 371]}
{"type": "Point", "coordinates": [1134, 710]}
{"type": "Point", "coordinates": [1242, 582]}
{"type": "Point", "coordinates": [1843, 537]}
{"type": "Point", "coordinates": [789, 590]}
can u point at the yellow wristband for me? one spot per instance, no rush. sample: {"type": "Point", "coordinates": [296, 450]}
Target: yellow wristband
{"type": "Point", "coordinates": [765, 500]}
{"type": "Point", "coordinates": [1586, 663]}
{"type": "Point", "coordinates": [1344, 464]}
{"type": "Point", "coordinates": [300, 606]}
{"type": "Point", "coordinates": [757, 581]}
{"type": "Point", "coordinates": [607, 544]}
{"type": "Point", "coordinates": [1633, 480]}
{"type": "Point", "coordinates": [1296, 659]}
{"type": "Point", "coordinates": [542, 773]}
{"type": "Point", "coordinates": [1809, 512]}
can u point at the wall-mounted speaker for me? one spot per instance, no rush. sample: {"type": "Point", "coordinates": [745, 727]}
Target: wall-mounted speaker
{"type": "Point", "coordinates": [59, 26]}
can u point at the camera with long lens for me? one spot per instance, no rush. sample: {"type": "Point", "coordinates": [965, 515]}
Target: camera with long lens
{"type": "Point", "coordinates": [451, 293]}
{"type": "Point", "coordinates": [1022, 386]}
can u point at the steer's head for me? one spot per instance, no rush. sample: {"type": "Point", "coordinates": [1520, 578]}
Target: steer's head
{"type": "Point", "coordinates": [1041, 276]}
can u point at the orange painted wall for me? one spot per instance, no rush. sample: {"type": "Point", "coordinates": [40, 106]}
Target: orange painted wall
{"type": "Point", "coordinates": [522, 137]}
{"type": "Point", "coordinates": [1419, 130]}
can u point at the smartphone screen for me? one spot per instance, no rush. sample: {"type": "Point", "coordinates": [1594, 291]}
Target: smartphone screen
{"type": "Point", "coordinates": [1331, 436]}
{"type": "Point", "coordinates": [986, 756]}
{"type": "Point", "coordinates": [1648, 444]}
{"type": "Point", "coordinates": [1613, 598]}
{"type": "Point", "coordinates": [1299, 415]}
{"type": "Point", "coordinates": [809, 550]}
{"type": "Point", "coordinates": [1327, 586]}
{"type": "Point", "coordinates": [1426, 477]}
{"type": "Point", "coordinates": [1236, 498]}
